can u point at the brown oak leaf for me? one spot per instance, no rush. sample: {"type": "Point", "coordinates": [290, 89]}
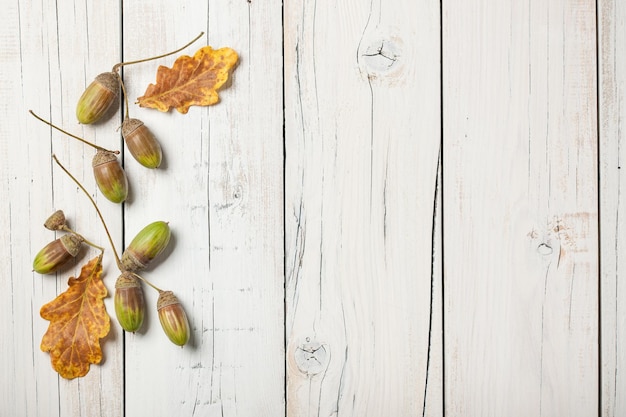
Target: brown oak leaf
{"type": "Point", "coordinates": [78, 320]}
{"type": "Point", "coordinates": [190, 81]}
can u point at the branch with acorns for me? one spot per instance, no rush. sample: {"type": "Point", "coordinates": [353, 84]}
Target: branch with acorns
{"type": "Point", "coordinates": [78, 317]}
{"type": "Point", "coordinates": [147, 245]}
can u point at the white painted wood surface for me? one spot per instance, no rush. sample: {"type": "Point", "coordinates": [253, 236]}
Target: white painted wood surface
{"type": "Point", "coordinates": [520, 208]}
{"type": "Point", "coordinates": [398, 208]}
{"type": "Point", "coordinates": [362, 119]}
{"type": "Point", "coordinates": [612, 93]}
{"type": "Point", "coordinates": [222, 182]}
{"type": "Point", "coordinates": [50, 52]}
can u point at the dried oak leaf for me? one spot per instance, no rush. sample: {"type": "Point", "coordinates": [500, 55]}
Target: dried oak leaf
{"type": "Point", "coordinates": [190, 81]}
{"type": "Point", "coordinates": [78, 320]}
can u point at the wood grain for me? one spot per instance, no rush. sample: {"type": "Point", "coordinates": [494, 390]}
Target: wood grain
{"type": "Point", "coordinates": [362, 121]}
{"type": "Point", "coordinates": [520, 208]}
{"type": "Point", "coordinates": [399, 208]}
{"type": "Point", "coordinates": [50, 53]}
{"type": "Point", "coordinates": [612, 91]}
{"type": "Point", "coordinates": [221, 190]}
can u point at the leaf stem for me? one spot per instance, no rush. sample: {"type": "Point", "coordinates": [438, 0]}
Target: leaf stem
{"type": "Point", "coordinates": [117, 66]}
{"type": "Point", "coordinates": [147, 282]}
{"type": "Point", "coordinates": [100, 257]}
{"type": "Point", "coordinates": [106, 229]}
{"type": "Point", "coordinates": [86, 142]}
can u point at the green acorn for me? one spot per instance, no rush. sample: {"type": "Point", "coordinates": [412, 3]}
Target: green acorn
{"type": "Point", "coordinates": [98, 97]}
{"type": "Point", "coordinates": [146, 246]}
{"type": "Point", "coordinates": [110, 176]}
{"type": "Point", "coordinates": [56, 253]}
{"type": "Point", "coordinates": [129, 302]}
{"type": "Point", "coordinates": [173, 318]}
{"type": "Point", "coordinates": [141, 143]}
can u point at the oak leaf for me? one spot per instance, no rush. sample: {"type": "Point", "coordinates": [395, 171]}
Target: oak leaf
{"type": "Point", "coordinates": [190, 81]}
{"type": "Point", "coordinates": [78, 320]}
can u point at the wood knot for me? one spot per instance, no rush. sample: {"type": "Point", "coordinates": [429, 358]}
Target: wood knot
{"type": "Point", "coordinates": [311, 357]}
{"type": "Point", "coordinates": [544, 249]}
{"type": "Point", "coordinates": [380, 58]}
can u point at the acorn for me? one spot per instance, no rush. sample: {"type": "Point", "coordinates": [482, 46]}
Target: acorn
{"type": "Point", "coordinates": [110, 176]}
{"type": "Point", "coordinates": [56, 221]}
{"type": "Point", "coordinates": [98, 97]}
{"type": "Point", "coordinates": [173, 318]}
{"type": "Point", "coordinates": [103, 91]}
{"type": "Point", "coordinates": [146, 246]}
{"type": "Point", "coordinates": [57, 253]}
{"type": "Point", "coordinates": [129, 302]}
{"type": "Point", "coordinates": [141, 143]}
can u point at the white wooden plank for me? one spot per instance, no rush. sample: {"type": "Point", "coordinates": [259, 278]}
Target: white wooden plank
{"type": "Point", "coordinates": [50, 53]}
{"type": "Point", "coordinates": [520, 208]}
{"type": "Point", "coordinates": [362, 120]}
{"type": "Point", "coordinates": [361, 174]}
{"type": "Point", "coordinates": [221, 190]}
{"type": "Point", "coordinates": [612, 85]}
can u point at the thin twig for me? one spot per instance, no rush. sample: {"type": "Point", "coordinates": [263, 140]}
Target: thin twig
{"type": "Point", "coordinates": [121, 64]}
{"type": "Point", "coordinates": [147, 282]}
{"type": "Point", "coordinates": [86, 142]}
{"type": "Point", "coordinates": [106, 229]}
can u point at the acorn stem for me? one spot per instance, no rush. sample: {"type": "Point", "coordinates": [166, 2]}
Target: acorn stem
{"type": "Point", "coordinates": [67, 229]}
{"type": "Point", "coordinates": [86, 142]}
{"type": "Point", "coordinates": [147, 282]}
{"type": "Point", "coordinates": [119, 77]}
{"type": "Point", "coordinates": [116, 67]}
{"type": "Point", "coordinates": [106, 229]}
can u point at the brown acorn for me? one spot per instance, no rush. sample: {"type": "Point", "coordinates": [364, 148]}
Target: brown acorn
{"type": "Point", "coordinates": [56, 221]}
{"type": "Point", "coordinates": [98, 98]}
{"type": "Point", "coordinates": [146, 246]}
{"type": "Point", "coordinates": [141, 143]}
{"type": "Point", "coordinates": [129, 302]}
{"type": "Point", "coordinates": [56, 253]}
{"type": "Point", "coordinates": [173, 318]}
{"type": "Point", "coordinates": [110, 176]}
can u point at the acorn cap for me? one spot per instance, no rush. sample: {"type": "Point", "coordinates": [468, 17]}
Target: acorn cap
{"type": "Point", "coordinates": [102, 157]}
{"type": "Point", "coordinates": [129, 125]}
{"type": "Point", "coordinates": [56, 221]}
{"type": "Point", "coordinates": [127, 280]}
{"type": "Point", "coordinates": [110, 81]}
{"type": "Point", "coordinates": [72, 243]}
{"type": "Point", "coordinates": [166, 298]}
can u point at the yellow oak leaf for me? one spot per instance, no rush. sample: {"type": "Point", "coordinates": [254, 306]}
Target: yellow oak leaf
{"type": "Point", "coordinates": [192, 81]}
{"type": "Point", "coordinates": [78, 320]}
